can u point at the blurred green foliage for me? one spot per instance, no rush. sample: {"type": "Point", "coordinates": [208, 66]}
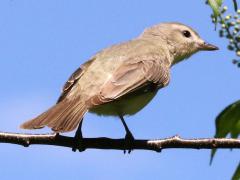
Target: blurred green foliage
{"type": "Point", "coordinates": [229, 25]}
{"type": "Point", "coordinates": [228, 121]}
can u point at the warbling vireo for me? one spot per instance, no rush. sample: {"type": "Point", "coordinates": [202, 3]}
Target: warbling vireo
{"type": "Point", "coordinates": [122, 79]}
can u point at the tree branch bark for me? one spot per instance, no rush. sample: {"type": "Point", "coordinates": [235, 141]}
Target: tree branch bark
{"type": "Point", "coordinates": [118, 144]}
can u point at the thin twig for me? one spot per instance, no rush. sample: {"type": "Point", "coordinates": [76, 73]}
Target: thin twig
{"type": "Point", "coordinates": [119, 144]}
{"type": "Point", "coordinates": [235, 5]}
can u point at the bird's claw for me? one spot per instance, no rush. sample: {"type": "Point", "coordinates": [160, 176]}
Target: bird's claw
{"type": "Point", "coordinates": [78, 144]}
{"type": "Point", "coordinates": [129, 140]}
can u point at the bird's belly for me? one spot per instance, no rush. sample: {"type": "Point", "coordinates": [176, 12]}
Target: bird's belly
{"type": "Point", "coordinates": [127, 105]}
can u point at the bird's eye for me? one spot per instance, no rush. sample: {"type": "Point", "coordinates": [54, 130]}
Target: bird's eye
{"type": "Point", "coordinates": [186, 34]}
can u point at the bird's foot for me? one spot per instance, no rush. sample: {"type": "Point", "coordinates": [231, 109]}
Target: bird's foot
{"type": "Point", "coordinates": [78, 143]}
{"type": "Point", "coordinates": [129, 140]}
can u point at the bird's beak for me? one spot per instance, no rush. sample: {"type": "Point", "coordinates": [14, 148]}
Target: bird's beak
{"type": "Point", "coordinates": [207, 47]}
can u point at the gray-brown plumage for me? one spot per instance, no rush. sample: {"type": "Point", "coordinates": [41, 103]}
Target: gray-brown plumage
{"type": "Point", "coordinates": [122, 79]}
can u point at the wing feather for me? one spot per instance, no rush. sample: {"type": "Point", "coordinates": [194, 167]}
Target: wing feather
{"type": "Point", "coordinates": [132, 76]}
{"type": "Point", "coordinates": [73, 79]}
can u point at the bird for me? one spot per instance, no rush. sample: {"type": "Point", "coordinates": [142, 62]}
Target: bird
{"type": "Point", "coordinates": [121, 79]}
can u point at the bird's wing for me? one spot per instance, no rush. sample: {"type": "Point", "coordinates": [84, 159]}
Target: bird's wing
{"type": "Point", "coordinates": [72, 80]}
{"type": "Point", "coordinates": [131, 76]}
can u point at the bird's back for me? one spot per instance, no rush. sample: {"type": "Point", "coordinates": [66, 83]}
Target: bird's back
{"type": "Point", "coordinates": [105, 63]}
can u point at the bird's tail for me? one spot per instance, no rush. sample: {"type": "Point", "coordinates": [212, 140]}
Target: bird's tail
{"type": "Point", "coordinates": [64, 116]}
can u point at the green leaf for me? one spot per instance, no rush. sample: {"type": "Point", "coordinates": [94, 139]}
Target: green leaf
{"type": "Point", "coordinates": [219, 2]}
{"type": "Point", "coordinates": [213, 152]}
{"type": "Point", "coordinates": [236, 129]}
{"type": "Point", "coordinates": [228, 122]}
{"type": "Point", "coordinates": [236, 175]}
{"type": "Point", "coordinates": [215, 5]}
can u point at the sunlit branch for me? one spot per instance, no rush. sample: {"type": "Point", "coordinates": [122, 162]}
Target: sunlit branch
{"type": "Point", "coordinates": [118, 144]}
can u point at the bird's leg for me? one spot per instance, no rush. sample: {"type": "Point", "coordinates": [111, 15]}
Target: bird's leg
{"type": "Point", "coordinates": [78, 139]}
{"type": "Point", "coordinates": [128, 137]}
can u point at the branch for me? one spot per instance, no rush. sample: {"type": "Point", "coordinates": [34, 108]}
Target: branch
{"type": "Point", "coordinates": [118, 144]}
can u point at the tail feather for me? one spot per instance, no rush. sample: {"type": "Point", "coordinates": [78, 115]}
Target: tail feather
{"type": "Point", "coordinates": [63, 117]}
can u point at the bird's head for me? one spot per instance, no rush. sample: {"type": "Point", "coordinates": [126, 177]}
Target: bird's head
{"type": "Point", "coordinates": [181, 40]}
